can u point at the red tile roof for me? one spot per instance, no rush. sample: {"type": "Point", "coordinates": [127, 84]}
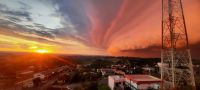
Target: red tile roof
{"type": "Point", "coordinates": [142, 79]}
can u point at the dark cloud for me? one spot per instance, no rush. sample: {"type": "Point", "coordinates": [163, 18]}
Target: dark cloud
{"type": "Point", "coordinates": [12, 13]}
{"type": "Point", "coordinates": [195, 49]}
{"type": "Point", "coordinates": [155, 51]}
{"type": "Point", "coordinates": [41, 27]}
{"type": "Point", "coordinates": [2, 6]}
{"type": "Point", "coordinates": [23, 29]}
{"type": "Point", "coordinates": [14, 19]}
{"type": "Point", "coordinates": [19, 33]}
{"type": "Point", "coordinates": [73, 11]}
{"type": "Point", "coordinates": [63, 33]}
{"type": "Point", "coordinates": [5, 22]}
{"type": "Point", "coordinates": [152, 51]}
{"type": "Point", "coordinates": [22, 14]}
{"type": "Point", "coordinates": [25, 6]}
{"type": "Point", "coordinates": [42, 33]}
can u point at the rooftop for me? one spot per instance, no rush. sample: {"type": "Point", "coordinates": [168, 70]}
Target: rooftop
{"type": "Point", "coordinates": [117, 78]}
{"type": "Point", "coordinates": [139, 79]}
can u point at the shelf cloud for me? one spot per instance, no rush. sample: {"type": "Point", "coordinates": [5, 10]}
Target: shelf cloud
{"type": "Point", "coordinates": [100, 27]}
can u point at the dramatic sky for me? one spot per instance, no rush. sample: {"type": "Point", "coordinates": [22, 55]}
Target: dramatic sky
{"type": "Point", "coordinates": [93, 27]}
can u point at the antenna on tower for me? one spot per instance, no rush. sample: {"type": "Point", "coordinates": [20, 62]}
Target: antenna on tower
{"type": "Point", "coordinates": [177, 67]}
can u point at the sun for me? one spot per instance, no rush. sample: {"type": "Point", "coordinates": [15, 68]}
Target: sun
{"type": "Point", "coordinates": [42, 51]}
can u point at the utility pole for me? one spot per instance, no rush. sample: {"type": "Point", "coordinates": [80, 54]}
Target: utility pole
{"type": "Point", "coordinates": [177, 68]}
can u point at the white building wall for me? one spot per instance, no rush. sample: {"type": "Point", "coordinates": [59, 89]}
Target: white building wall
{"type": "Point", "coordinates": [146, 86]}
{"type": "Point", "coordinates": [156, 86]}
{"type": "Point", "coordinates": [111, 83]}
{"type": "Point", "coordinates": [134, 84]}
{"type": "Point", "coordinates": [113, 79]}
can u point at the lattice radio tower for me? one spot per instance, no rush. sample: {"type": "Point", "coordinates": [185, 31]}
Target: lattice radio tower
{"type": "Point", "coordinates": [177, 68]}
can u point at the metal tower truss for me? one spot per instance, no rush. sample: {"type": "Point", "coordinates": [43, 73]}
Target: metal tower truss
{"type": "Point", "coordinates": [176, 70]}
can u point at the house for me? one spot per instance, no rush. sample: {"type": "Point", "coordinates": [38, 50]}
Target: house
{"type": "Point", "coordinates": [143, 82]}
{"type": "Point", "coordinates": [133, 82]}
{"type": "Point", "coordinates": [115, 81]}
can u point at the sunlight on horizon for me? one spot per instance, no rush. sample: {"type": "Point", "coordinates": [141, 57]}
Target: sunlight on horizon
{"type": "Point", "coordinates": [42, 51]}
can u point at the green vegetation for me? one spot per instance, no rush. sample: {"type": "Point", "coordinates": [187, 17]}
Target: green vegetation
{"type": "Point", "coordinates": [103, 87]}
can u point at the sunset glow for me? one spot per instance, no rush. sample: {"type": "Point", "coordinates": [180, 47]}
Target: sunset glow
{"type": "Point", "coordinates": [58, 44]}
{"type": "Point", "coordinates": [92, 27]}
{"type": "Point", "coordinates": [42, 51]}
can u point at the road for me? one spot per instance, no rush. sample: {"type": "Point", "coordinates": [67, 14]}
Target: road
{"type": "Point", "coordinates": [44, 86]}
